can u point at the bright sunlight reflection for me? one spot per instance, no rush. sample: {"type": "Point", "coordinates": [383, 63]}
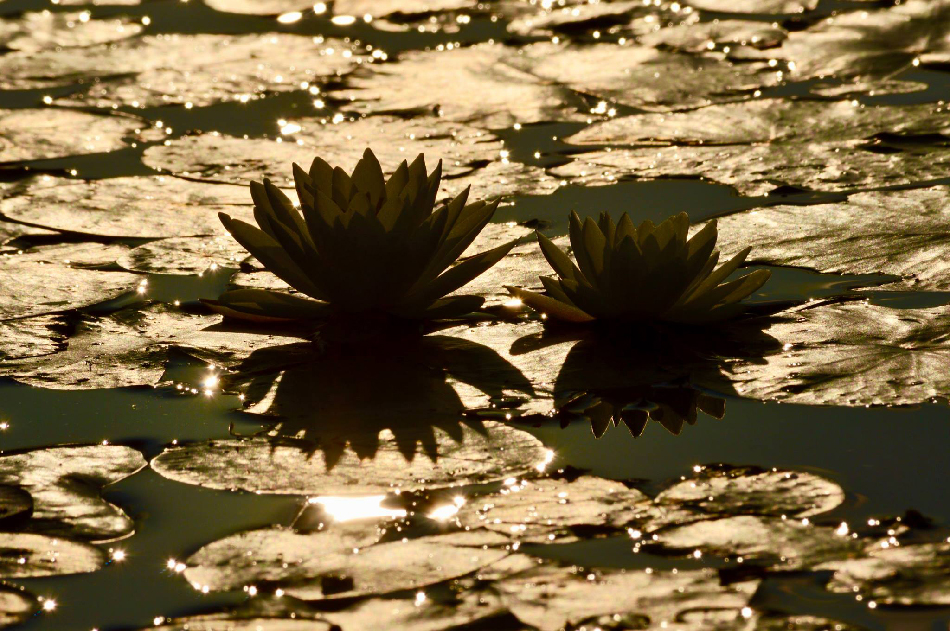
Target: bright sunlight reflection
{"type": "Point", "coordinates": [351, 508]}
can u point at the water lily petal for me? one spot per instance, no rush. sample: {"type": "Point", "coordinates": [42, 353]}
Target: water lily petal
{"type": "Point", "coordinates": [453, 307]}
{"type": "Point", "coordinates": [368, 178]}
{"type": "Point", "coordinates": [270, 253]}
{"type": "Point", "coordinates": [717, 276]}
{"type": "Point", "coordinates": [321, 174]}
{"type": "Point", "coordinates": [559, 261]}
{"type": "Point", "coordinates": [461, 274]}
{"type": "Point", "coordinates": [549, 306]}
{"type": "Point", "coordinates": [263, 305]}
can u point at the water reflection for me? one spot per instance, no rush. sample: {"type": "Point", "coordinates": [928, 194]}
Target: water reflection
{"type": "Point", "coordinates": [661, 373]}
{"type": "Point", "coordinates": [400, 390]}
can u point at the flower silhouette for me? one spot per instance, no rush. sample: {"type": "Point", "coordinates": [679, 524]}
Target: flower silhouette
{"type": "Point", "coordinates": [641, 273]}
{"type": "Point", "coordinates": [362, 245]}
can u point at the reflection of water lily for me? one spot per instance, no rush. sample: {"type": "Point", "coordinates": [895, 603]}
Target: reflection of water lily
{"type": "Point", "coordinates": [362, 245]}
{"type": "Point", "coordinates": [670, 406]}
{"type": "Point", "coordinates": [641, 273]}
{"type": "Point", "coordinates": [403, 387]}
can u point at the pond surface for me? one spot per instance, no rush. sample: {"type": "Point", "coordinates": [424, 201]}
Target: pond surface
{"type": "Point", "coordinates": [162, 468]}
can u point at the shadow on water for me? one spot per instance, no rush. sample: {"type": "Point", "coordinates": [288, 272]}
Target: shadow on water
{"type": "Point", "coordinates": [345, 398]}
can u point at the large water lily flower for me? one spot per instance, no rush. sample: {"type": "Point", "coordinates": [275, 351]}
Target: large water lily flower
{"type": "Point", "coordinates": [641, 273]}
{"type": "Point", "coordinates": [361, 244]}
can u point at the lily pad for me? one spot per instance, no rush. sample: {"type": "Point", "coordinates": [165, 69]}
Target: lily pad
{"type": "Point", "coordinates": [16, 605]}
{"type": "Point", "coordinates": [644, 77]}
{"type": "Point", "coordinates": [863, 45]}
{"type": "Point", "coordinates": [738, 491]}
{"type": "Point", "coordinates": [131, 347]}
{"type": "Point", "coordinates": [139, 207]}
{"type": "Point", "coordinates": [329, 564]}
{"type": "Point", "coordinates": [31, 337]}
{"type": "Point", "coordinates": [884, 232]}
{"type": "Point", "coordinates": [755, 6]}
{"type": "Point", "coordinates": [476, 84]}
{"type": "Point", "coordinates": [198, 69]}
{"type": "Point", "coordinates": [852, 354]}
{"type": "Point", "coordinates": [383, 8]}
{"type": "Point", "coordinates": [553, 598]}
{"type": "Point", "coordinates": [785, 543]}
{"type": "Point", "coordinates": [547, 510]}
{"type": "Point", "coordinates": [764, 121]}
{"type": "Point", "coordinates": [470, 157]}
{"type": "Point", "coordinates": [185, 255]}
{"type": "Point", "coordinates": [575, 17]}
{"type": "Point", "coordinates": [223, 623]}
{"type": "Point", "coordinates": [34, 32]}
{"type": "Point", "coordinates": [759, 169]}
{"type": "Point", "coordinates": [701, 37]}
{"type": "Point", "coordinates": [65, 483]}
{"type": "Point", "coordinates": [287, 466]}
{"type": "Point", "coordinates": [49, 279]}
{"type": "Point", "coordinates": [25, 555]}
{"type": "Point", "coordinates": [41, 134]}
{"type": "Point", "coordinates": [897, 575]}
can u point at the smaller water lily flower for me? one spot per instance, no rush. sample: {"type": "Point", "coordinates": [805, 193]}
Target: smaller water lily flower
{"type": "Point", "coordinates": [641, 273]}
{"type": "Point", "coordinates": [363, 245]}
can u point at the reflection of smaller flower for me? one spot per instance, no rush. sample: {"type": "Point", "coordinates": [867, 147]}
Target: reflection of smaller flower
{"type": "Point", "coordinates": [670, 406]}
{"type": "Point", "coordinates": [362, 245]}
{"type": "Point", "coordinates": [641, 273]}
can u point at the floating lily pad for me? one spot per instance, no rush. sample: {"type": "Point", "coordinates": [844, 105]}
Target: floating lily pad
{"type": "Point", "coordinates": [31, 337]}
{"type": "Point", "coordinates": [49, 279]}
{"type": "Point", "coordinates": [765, 120]}
{"type": "Point", "coordinates": [65, 483]}
{"type": "Point", "coordinates": [131, 347]}
{"type": "Point", "coordinates": [883, 232]}
{"type": "Point", "coordinates": [224, 623]}
{"type": "Point", "coordinates": [24, 555]}
{"type": "Point", "coordinates": [737, 491]}
{"type": "Point", "coordinates": [140, 207]}
{"type": "Point", "coordinates": [701, 37]}
{"type": "Point", "coordinates": [197, 69]}
{"type": "Point", "coordinates": [546, 510]}
{"type": "Point", "coordinates": [853, 354]}
{"type": "Point", "coordinates": [553, 598]}
{"type": "Point", "coordinates": [755, 6]}
{"type": "Point", "coordinates": [328, 564]}
{"type": "Point", "coordinates": [906, 575]}
{"type": "Point", "coordinates": [575, 17]}
{"type": "Point", "coordinates": [34, 32]}
{"type": "Point", "coordinates": [759, 169]}
{"type": "Point", "coordinates": [237, 160]}
{"type": "Point", "coordinates": [644, 77]}
{"type": "Point", "coordinates": [16, 605]}
{"type": "Point", "coordinates": [471, 84]}
{"type": "Point", "coordinates": [53, 133]}
{"type": "Point", "coordinates": [383, 8]}
{"type": "Point", "coordinates": [862, 45]}
{"type": "Point", "coordinates": [470, 607]}
{"type": "Point", "coordinates": [475, 455]}
{"type": "Point", "coordinates": [185, 255]}
{"type": "Point", "coordinates": [784, 543]}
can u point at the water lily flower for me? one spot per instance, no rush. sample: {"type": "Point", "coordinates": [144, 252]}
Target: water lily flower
{"type": "Point", "coordinates": [641, 273]}
{"type": "Point", "coordinates": [361, 244]}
